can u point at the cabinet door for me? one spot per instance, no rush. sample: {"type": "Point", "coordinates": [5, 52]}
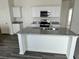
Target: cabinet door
{"type": "Point", "coordinates": [16, 28]}
{"type": "Point", "coordinates": [4, 28]}
{"type": "Point", "coordinates": [35, 12]}
{"type": "Point", "coordinates": [16, 11]}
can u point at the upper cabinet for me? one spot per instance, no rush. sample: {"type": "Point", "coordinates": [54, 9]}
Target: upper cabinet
{"type": "Point", "coordinates": [53, 11]}
{"type": "Point", "coordinates": [17, 12]}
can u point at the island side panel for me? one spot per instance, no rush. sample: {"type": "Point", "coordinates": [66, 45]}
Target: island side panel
{"type": "Point", "coordinates": [48, 43]}
{"type": "Point", "coordinates": [22, 39]}
{"type": "Point", "coordinates": [71, 47]}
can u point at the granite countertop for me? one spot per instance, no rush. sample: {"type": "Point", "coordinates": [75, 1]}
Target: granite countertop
{"type": "Point", "coordinates": [37, 30]}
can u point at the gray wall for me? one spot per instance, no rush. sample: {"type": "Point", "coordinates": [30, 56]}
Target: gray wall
{"type": "Point", "coordinates": [75, 18]}
{"type": "Point", "coordinates": [64, 13]}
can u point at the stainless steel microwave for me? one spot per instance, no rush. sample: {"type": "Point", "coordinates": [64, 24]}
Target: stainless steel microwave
{"type": "Point", "coordinates": [44, 14]}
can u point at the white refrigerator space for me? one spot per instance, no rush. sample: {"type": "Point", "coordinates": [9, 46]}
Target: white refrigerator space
{"type": "Point", "coordinates": [47, 43]}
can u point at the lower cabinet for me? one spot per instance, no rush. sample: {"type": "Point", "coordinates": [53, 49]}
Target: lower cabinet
{"type": "Point", "coordinates": [16, 28]}
{"type": "Point", "coordinates": [5, 28]}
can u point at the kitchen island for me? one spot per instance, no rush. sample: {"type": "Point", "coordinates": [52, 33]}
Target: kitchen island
{"type": "Point", "coordinates": [60, 41]}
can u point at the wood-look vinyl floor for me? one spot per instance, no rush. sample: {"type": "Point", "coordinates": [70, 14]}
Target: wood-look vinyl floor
{"type": "Point", "coordinates": [9, 49]}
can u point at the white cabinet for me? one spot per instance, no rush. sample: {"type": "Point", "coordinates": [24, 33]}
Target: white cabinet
{"type": "Point", "coordinates": [35, 12]}
{"type": "Point", "coordinates": [16, 28]}
{"type": "Point", "coordinates": [17, 12]}
{"type": "Point", "coordinates": [54, 11]}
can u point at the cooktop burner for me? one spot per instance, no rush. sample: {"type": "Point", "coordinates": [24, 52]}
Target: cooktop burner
{"type": "Point", "coordinates": [47, 28]}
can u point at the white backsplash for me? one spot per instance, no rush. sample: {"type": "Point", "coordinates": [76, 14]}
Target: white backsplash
{"type": "Point", "coordinates": [51, 19]}
{"type": "Point", "coordinates": [36, 21]}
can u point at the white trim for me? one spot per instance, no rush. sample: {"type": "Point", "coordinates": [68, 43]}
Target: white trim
{"type": "Point", "coordinates": [71, 50]}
